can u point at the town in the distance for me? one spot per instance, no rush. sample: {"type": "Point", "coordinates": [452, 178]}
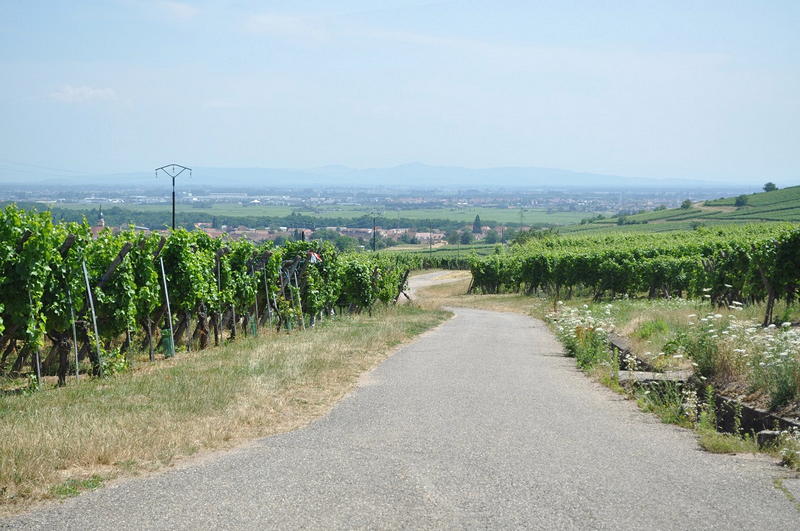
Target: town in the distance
{"type": "Point", "coordinates": [353, 217]}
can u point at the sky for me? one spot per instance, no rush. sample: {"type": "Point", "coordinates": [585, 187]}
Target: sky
{"type": "Point", "coordinates": [662, 89]}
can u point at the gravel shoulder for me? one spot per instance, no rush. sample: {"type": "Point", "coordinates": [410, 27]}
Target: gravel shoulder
{"type": "Point", "coordinates": [481, 423]}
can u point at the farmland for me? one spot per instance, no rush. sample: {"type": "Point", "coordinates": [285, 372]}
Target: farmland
{"type": "Point", "coordinates": [390, 215]}
{"type": "Point", "coordinates": [775, 206]}
{"type": "Point", "coordinates": [449, 251]}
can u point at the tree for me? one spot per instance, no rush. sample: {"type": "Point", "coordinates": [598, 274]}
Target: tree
{"type": "Point", "coordinates": [741, 201]}
{"type": "Point", "coordinates": [476, 225]}
{"type": "Point", "coordinates": [407, 238]}
{"type": "Point", "coordinates": [452, 237]}
{"type": "Point", "coordinates": [492, 237]}
{"type": "Point", "coordinates": [687, 204]}
{"type": "Point", "coordinates": [467, 238]}
{"type": "Point", "coordinates": [770, 187]}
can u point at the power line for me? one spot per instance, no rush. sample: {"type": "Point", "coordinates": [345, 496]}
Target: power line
{"type": "Point", "coordinates": [41, 167]}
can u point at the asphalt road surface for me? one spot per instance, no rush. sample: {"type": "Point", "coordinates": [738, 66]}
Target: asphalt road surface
{"type": "Point", "coordinates": [480, 423]}
{"type": "Point", "coordinates": [426, 280]}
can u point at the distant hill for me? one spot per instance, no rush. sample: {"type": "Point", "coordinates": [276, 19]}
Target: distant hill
{"type": "Point", "coordinates": [413, 175]}
{"type": "Point", "coordinates": [775, 206]}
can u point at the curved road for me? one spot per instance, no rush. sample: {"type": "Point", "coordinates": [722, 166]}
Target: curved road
{"type": "Point", "coordinates": [478, 424]}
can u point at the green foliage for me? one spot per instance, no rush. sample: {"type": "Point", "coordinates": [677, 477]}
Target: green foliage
{"type": "Point", "coordinates": [589, 346]}
{"type": "Point", "coordinates": [42, 283]}
{"type": "Point", "coordinates": [742, 263]}
{"type": "Point", "coordinates": [452, 237]}
{"type": "Point", "coordinates": [476, 225]}
{"type": "Point", "coordinates": [73, 487]}
{"type": "Point", "coordinates": [778, 375]}
{"type": "Point", "coordinates": [740, 201]}
{"type": "Point", "coordinates": [115, 300]}
{"type": "Point", "coordinates": [727, 443]}
{"type": "Point", "coordinates": [650, 328]}
{"type": "Point", "coordinates": [525, 236]}
{"type": "Point", "coordinates": [189, 264]}
{"type": "Point", "coordinates": [114, 362]}
{"type": "Point", "coordinates": [666, 400]}
{"type": "Point", "coordinates": [28, 248]}
{"type": "Point", "coordinates": [770, 187]}
{"type": "Point", "coordinates": [708, 411]}
{"type": "Point", "coordinates": [686, 204]}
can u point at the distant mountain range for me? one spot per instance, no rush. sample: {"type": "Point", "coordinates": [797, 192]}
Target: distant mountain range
{"type": "Point", "coordinates": [413, 175]}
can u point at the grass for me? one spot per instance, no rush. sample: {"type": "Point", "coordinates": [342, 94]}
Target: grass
{"type": "Point", "coordinates": [726, 443]}
{"type": "Point", "coordinates": [783, 196]}
{"type": "Point", "coordinates": [73, 487]}
{"type": "Point", "coordinates": [449, 250]}
{"type": "Point", "coordinates": [723, 345]}
{"type": "Point", "coordinates": [650, 328]}
{"type": "Point", "coordinates": [59, 442]}
{"type": "Point", "coordinates": [453, 292]}
{"type": "Point", "coordinates": [666, 401]}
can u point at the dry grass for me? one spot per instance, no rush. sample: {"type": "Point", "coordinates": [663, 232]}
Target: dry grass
{"type": "Point", "coordinates": [452, 291]}
{"type": "Point", "coordinates": [57, 442]}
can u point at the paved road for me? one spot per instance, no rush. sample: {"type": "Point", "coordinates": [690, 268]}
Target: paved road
{"type": "Point", "coordinates": [425, 280]}
{"type": "Point", "coordinates": [479, 424]}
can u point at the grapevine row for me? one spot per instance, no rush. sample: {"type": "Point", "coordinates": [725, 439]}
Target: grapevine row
{"type": "Point", "coordinates": [758, 263]}
{"type": "Point", "coordinates": [216, 288]}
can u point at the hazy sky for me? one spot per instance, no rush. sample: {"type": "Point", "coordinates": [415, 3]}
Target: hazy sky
{"type": "Point", "coordinates": [705, 89]}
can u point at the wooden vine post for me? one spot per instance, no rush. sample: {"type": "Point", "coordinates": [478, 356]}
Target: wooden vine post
{"type": "Point", "coordinates": [74, 331]}
{"type": "Point", "coordinates": [62, 376]}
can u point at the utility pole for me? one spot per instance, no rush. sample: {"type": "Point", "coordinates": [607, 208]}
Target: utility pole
{"type": "Point", "coordinates": [430, 239]}
{"type": "Point", "coordinates": [173, 170]}
{"type": "Point", "coordinates": [373, 233]}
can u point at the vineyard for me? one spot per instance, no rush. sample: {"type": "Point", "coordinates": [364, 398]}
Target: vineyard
{"type": "Point", "coordinates": [70, 300]}
{"type": "Point", "coordinates": [730, 265]}
{"type": "Point", "coordinates": [782, 206]}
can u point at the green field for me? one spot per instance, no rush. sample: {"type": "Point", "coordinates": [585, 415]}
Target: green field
{"type": "Point", "coordinates": [535, 216]}
{"type": "Point", "coordinates": [776, 206]}
{"type": "Point", "coordinates": [447, 251]}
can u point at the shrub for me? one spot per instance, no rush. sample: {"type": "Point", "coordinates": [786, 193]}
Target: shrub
{"type": "Point", "coordinates": [648, 329]}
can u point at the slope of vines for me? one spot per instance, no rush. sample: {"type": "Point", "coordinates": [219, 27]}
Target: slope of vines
{"type": "Point", "coordinates": [217, 288]}
{"type": "Point", "coordinates": [744, 264]}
